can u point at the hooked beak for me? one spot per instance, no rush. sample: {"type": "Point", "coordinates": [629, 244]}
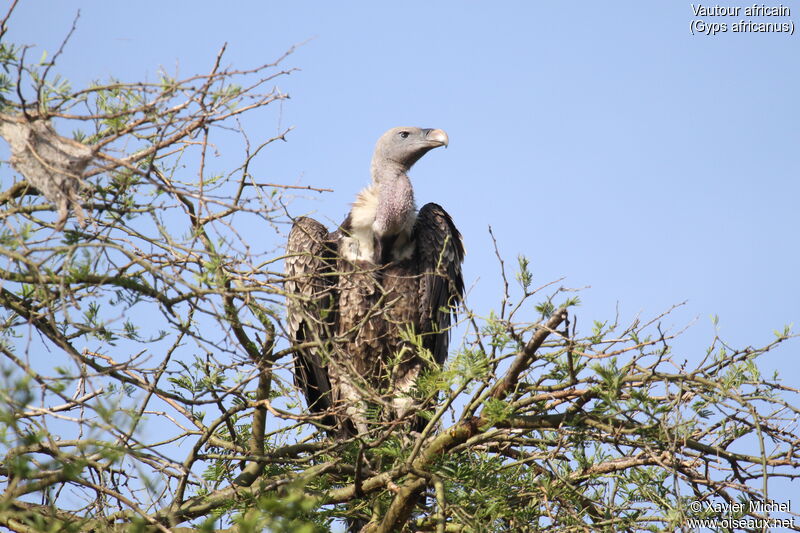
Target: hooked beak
{"type": "Point", "coordinates": [436, 137]}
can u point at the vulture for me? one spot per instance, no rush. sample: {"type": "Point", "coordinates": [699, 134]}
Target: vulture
{"type": "Point", "coordinates": [369, 305]}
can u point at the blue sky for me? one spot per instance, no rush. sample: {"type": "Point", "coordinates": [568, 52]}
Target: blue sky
{"type": "Point", "coordinates": [605, 142]}
{"type": "Point", "coordinates": [602, 140]}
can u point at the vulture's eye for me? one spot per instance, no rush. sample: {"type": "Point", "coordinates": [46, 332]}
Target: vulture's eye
{"type": "Point", "coordinates": [404, 134]}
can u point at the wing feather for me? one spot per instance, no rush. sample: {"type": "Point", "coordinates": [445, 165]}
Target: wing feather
{"type": "Point", "coordinates": [311, 307]}
{"type": "Point", "coordinates": [440, 253]}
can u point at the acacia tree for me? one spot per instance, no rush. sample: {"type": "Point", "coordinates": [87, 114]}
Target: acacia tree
{"type": "Point", "coordinates": [146, 374]}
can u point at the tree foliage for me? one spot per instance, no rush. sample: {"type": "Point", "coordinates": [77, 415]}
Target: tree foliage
{"type": "Point", "coordinates": [146, 376]}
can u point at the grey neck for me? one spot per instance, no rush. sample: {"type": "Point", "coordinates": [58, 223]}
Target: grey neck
{"type": "Point", "coordinates": [395, 200]}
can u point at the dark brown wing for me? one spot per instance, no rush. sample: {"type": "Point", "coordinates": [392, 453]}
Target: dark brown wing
{"type": "Point", "coordinates": [439, 253]}
{"type": "Point", "coordinates": [311, 307]}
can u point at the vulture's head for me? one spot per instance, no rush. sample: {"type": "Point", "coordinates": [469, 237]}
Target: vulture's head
{"type": "Point", "coordinates": [404, 146]}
